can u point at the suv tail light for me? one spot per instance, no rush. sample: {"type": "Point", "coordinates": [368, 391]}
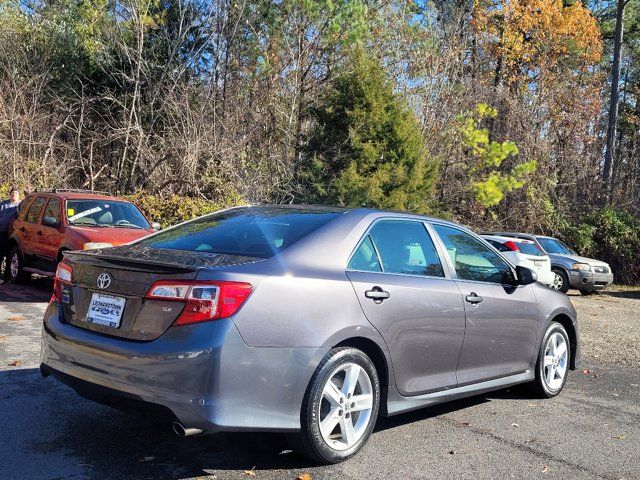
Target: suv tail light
{"type": "Point", "coordinates": [511, 246]}
{"type": "Point", "coordinates": [64, 274]}
{"type": "Point", "coordinates": [204, 301]}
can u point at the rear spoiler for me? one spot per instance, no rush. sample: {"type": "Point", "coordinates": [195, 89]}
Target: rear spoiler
{"type": "Point", "coordinates": [154, 260]}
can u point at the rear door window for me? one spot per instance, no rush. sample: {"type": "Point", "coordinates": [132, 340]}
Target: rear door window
{"type": "Point", "coordinates": [53, 210]}
{"type": "Point", "coordinates": [405, 247]}
{"type": "Point", "coordinates": [33, 215]}
{"type": "Point", "coordinates": [365, 258]}
{"type": "Point", "coordinates": [255, 232]}
{"type": "Point", "coordinates": [471, 258]}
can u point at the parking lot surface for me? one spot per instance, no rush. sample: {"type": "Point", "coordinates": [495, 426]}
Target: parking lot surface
{"type": "Point", "coordinates": [592, 430]}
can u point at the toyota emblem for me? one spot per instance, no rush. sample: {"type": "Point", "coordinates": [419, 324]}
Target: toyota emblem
{"type": "Point", "coordinates": [103, 281]}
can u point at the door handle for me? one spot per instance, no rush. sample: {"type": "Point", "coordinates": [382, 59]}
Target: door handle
{"type": "Point", "coordinates": [377, 294]}
{"type": "Point", "coordinates": [473, 298]}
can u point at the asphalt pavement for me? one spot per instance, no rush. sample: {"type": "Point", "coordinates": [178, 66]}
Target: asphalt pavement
{"type": "Point", "coordinates": [592, 430]}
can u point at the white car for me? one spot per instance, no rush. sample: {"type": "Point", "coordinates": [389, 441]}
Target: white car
{"type": "Point", "coordinates": [525, 253]}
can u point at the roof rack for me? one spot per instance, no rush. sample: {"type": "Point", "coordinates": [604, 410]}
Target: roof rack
{"type": "Point", "coordinates": [78, 190]}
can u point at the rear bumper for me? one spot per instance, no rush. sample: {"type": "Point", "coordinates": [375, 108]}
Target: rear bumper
{"type": "Point", "coordinates": [589, 281]}
{"type": "Point", "coordinates": [204, 374]}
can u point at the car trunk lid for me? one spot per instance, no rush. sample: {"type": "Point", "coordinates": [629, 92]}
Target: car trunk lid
{"type": "Point", "coordinates": [118, 279]}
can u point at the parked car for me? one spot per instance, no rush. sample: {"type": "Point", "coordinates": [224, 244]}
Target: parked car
{"type": "Point", "coordinates": [50, 223]}
{"type": "Point", "coordinates": [525, 253]}
{"type": "Point", "coordinates": [303, 319]}
{"type": "Point", "coordinates": [585, 274]}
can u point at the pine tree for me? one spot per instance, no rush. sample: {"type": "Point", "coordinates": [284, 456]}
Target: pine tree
{"type": "Point", "coordinates": [367, 148]}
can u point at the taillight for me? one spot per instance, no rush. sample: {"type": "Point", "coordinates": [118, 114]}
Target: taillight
{"type": "Point", "coordinates": [64, 274]}
{"type": "Point", "coordinates": [511, 246]}
{"type": "Point", "coordinates": [204, 301]}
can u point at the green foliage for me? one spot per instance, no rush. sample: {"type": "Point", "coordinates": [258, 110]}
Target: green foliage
{"type": "Point", "coordinates": [175, 209]}
{"type": "Point", "coordinates": [367, 147]}
{"type": "Point", "coordinates": [607, 234]}
{"type": "Point", "coordinates": [489, 183]}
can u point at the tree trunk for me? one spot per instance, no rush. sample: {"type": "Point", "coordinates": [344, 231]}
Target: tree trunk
{"type": "Point", "coordinates": [615, 94]}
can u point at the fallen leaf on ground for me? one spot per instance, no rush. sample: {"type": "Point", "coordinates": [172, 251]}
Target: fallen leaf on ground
{"type": "Point", "coordinates": [304, 476]}
{"type": "Point", "coordinates": [532, 440]}
{"type": "Point", "coordinates": [618, 437]}
{"type": "Point", "coordinates": [586, 371]}
{"type": "Point", "coordinates": [15, 363]}
{"type": "Point", "coordinates": [615, 394]}
{"type": "Point", "coordinates": [515, 425]}
{"type": "Point", "coordinates": [146, 459]}
{"type": "Point", "coordinates": [2, 337]}
{"type": "Point", "coordinates": [15, 319]}
{"type": "Point", "coordinates": [284, 452]}
{"type": "Point", "coordinates": [249, 473]}
{"type": "Point", "coordinates": [545, 469]}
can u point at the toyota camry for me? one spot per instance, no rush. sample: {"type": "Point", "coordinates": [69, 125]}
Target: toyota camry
{"type": "Point", "coordinates": [307, 320]}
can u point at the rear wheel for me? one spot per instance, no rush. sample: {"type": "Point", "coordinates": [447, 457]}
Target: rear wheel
{"type": "Point", "coordinates": [15, 271]}
{"type": "Point", "coordinates": [553, 362]}
{"type": "Point", "coordinates": [340, 407]}
{"type": "Point", "coordinates": [561, 281]}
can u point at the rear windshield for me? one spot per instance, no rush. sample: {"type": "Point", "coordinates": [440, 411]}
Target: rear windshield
{"type": "Point", "coordinates": [530, 249]}
{"type": "Point", "coordinates": [254, 232]}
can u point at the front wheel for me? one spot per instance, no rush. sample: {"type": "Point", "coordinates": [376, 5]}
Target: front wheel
{"type": "Point", "coordinates": [553, 362]}
{"type": "Point", "coordinates": [561, 281]}
{"type": "Point", "coordinates": [340, 407]}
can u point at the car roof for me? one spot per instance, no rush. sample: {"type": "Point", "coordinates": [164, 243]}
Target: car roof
{"type": "Point", "coordinates": [500, 238]}
{"type": "Point", "coordinates": [76, 196]}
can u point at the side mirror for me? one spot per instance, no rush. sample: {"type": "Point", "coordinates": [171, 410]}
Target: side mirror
{"type": "Point", "coordinates": [156, 226]}
{"type": "Point", "coordinates": [526, 275]}
{"type": "Point", "coordinates": [50, 222]}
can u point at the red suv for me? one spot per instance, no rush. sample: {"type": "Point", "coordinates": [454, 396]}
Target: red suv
{"type": "Point", "coordinates": [48, 223]}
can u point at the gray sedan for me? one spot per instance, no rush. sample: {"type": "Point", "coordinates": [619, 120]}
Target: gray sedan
{"type": "Point", "coordinates": [313, 320]}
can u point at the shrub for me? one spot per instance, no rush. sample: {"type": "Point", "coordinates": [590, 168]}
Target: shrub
{"type": "Point", "coordinates": [175, 209]}
{"type": "Point", "coordinates": [610, 235]}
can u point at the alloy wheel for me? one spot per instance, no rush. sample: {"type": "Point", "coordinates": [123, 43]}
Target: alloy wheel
{"type": "Point", "coordinates": [557, 282]}
{"type": "Point", "coordinates": [345, 409]}
{"type": "Point", "coordinates": [14, 265]}
{"type": "Point", "coordinates": [556, 356]}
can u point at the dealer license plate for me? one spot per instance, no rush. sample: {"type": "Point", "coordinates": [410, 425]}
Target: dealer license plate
{"type": "Point", "coordinates": [106, 310]}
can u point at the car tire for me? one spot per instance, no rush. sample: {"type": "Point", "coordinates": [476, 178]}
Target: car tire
{"type": "Point", "coordinates": [338, 415]}
{"type": "Point", "coordinates": [552, 367]}
{"type": "Point", "coordinates": [15, 264]}
{"type": "Point", "coordinates": [562, 283]}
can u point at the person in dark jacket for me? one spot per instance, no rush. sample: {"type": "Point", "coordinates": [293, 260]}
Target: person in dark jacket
{"type": "Point", "coordinates": [8, 211]}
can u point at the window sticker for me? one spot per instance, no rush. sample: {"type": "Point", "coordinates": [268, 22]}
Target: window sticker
{"type": "Point", "coordinates": [70, 212]}
{"type": "Point", "coordinates": [85, 213]}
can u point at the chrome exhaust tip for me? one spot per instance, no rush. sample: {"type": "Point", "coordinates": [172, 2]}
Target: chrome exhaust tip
{"type": "Point", "coordinates": [182, 431]}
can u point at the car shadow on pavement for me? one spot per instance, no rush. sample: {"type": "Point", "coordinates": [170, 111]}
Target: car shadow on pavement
{"type": "Point", "coordinates": [60, 435]}
{"type": "Point", "coordinates": [38, 289]}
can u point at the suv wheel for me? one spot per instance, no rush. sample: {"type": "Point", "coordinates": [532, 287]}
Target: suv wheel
{"type": "Point", "coordinates": [561, 282]}
{"type": "Point", "coordinates": [15, 270]}
{"type": "Point", "coordinates": [340, 407]}
{"type": "Point", "coordinates": [553, 362]}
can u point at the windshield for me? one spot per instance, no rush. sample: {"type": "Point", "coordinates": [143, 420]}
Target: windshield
{"type": "Point", "coordinates": [551, 245]}
{"type": "Point", "coordinates": [105, 213]}
{"type": "Point", "coordinates": [253, 232]}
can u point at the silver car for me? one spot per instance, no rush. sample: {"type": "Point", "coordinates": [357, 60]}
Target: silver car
{"type": "Point", "coordinates": [312, 320]}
